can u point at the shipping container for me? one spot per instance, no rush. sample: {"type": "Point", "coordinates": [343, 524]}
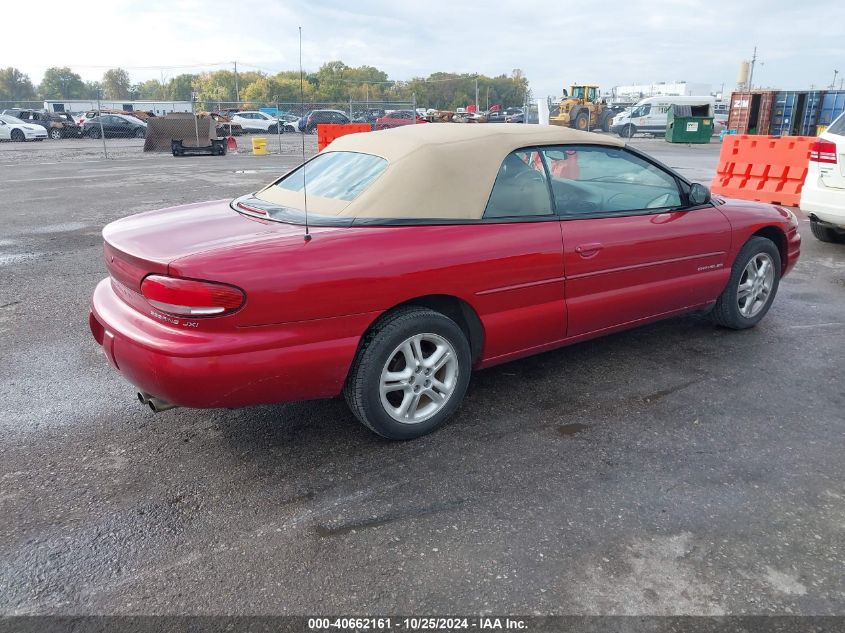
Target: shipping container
{"type": "Point", "coordinates": [796, 113]}
{"type": "Point", "coordinates": [833, 104]}
{"type": "Point", "coordinates": [751, 112]}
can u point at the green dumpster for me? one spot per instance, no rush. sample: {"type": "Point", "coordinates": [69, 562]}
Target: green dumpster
{"type": "Point", "coordinates": [689, 124]}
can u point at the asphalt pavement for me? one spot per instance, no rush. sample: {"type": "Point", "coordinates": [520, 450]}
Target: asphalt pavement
{"type": "Point", "coordinates": [677, 468]}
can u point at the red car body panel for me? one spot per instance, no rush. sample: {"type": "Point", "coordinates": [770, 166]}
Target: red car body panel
{"type": "Point", "coordinates": [533, 286]}
{"type": "Point", "coordinates": [387, 121]}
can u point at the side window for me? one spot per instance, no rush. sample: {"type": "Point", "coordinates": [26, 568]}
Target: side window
{"type": "Point", "coordinates": [595, 179]}
{"type": "Point", "coordinates": [521, 187]}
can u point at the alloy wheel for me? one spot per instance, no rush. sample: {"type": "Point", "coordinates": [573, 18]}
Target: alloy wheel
{"type": "Point", "coordinates": [755, 285]}
{"type": "Point", "coordinates": [418, 378]}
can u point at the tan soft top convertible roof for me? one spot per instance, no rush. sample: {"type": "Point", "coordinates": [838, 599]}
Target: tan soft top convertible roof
{"type": "Point", "coordinates": [436, 170]}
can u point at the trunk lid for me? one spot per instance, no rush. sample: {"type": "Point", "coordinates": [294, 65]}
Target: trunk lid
{"type": "Point", "coordinates": [147, 243]}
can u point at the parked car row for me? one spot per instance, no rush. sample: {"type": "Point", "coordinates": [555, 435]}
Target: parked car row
{"type": "Point", "coordinates": [20, 124]}
{"type": "Point", "coordinates": [56, 124]}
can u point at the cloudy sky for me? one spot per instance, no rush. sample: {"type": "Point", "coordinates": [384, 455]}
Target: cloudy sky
{"type": "Point", "coordinates": [555, 43]}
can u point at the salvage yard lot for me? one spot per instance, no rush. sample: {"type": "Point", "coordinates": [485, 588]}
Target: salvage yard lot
{"type": "Point", "coordinates": [676, 468]}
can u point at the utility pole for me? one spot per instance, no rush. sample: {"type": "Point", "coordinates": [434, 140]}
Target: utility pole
{"type": "Point", "coordinates": [476, 95]}
{"type": "Point", "coordinates": [751, 72]}
{"type": "Point", "coordinates": [237, 92]}
{"type": "Point", "coordinates": [100, 119]}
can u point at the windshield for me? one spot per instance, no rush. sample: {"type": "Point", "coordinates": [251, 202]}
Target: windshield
{"type": "Point", "coordinates": [10, 119]}
{"type": "Point", "coordinates": [641, 110]}
{"type": "Point", "coordinates": [336, 175]}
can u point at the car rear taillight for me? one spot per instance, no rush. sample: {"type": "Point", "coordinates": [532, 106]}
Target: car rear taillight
{"type": "Point", "coordinates": [823, 152]}
{"type": "Point", "coordinates": [189, 297]}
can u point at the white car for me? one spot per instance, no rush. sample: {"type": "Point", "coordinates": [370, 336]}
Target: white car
{"type": "Point", "coordinates": [823, 193]}
{"type": "Point", "coordinates": [255, 121]}
{"type": "Point", "coordinates": [13, 129]}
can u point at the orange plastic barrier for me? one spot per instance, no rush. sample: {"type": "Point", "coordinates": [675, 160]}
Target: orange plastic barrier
{"type": "Point", "coordinates": [763, 168]}
{"type": "Point", "coordinates": [327, 132]}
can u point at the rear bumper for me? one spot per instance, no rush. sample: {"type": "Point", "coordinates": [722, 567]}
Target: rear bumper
{"type": "Point", "coordinates": [825, 203]}
{"type": "Point", "coordinates": [207, 369]}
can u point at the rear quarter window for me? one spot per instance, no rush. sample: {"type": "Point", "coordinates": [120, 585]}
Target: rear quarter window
{"type": "Point", "coordinates": [336, 175]}
{"type": "Point", "coordinates": [838, 126]}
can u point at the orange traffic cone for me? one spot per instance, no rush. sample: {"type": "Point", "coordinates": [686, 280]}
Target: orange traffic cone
{"type": "Point", "coordinates": [231, 144]}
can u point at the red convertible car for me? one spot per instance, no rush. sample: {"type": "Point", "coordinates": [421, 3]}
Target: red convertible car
{"type": "Point", "coordinates": [430, 251]}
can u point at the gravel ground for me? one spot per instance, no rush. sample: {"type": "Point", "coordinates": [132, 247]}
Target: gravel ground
{"type": "Point", "coordinates": [673, 469]}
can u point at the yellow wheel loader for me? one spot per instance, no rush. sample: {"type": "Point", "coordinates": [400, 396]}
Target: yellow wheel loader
{"type": "Point", "coordinates": [583, 109]}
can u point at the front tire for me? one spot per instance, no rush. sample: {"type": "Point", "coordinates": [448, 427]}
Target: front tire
{"type": "Point", "coordinates": [826, 233]}
{"type": "Point", "coordinates": [582, 121]}
{"type": "Point", "coordinates": [18, 136]}
{"type": "Point", "coordinates": [410, 373]}
{"type": "Point", "coordinates": [628, 131]}
{"type": "Point", "coordinates": [140, 132]}
{"type": "Point", "coordinates": [752, 286]}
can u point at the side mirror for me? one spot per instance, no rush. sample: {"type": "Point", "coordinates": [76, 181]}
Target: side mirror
{"type": "Point", "coordinates": [698, 194]}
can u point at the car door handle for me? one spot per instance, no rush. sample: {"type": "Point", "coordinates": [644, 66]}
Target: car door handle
{"type": "Point", "coordinates": [588, 250]}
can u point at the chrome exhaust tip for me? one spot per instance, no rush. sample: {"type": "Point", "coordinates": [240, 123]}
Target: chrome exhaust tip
{"type": "Point", "coordinates": [157, 405]}
{"type": "Point", "coordinates": [143, 397]}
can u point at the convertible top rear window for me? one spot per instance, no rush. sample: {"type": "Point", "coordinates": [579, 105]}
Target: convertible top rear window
{"type": "Point", "coordinates": [335, 175]}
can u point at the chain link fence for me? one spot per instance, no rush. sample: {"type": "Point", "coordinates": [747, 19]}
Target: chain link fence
{"type": "Point", "coordinates": [197, 109]}
{"type": "Point", "coordinates": [125, 128]}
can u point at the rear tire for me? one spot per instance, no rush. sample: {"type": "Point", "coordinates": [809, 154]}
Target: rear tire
{"type": "Point", "coordinates": [273, 129]}
{"type": "Point", "coordinates": [55, 133]}
{"type": "Point", "coordinates": [605, 122]}
{"type": "Point", "coordinates": [94, 133]}
{"type": "Point", "coordinates": [391, 387]}
{"type": "Point", "coordinates": [826, 233]}
{"type": "Point", "coordinates": [140, 132]}
{"type": "Point", "coordinates": [750, 291]}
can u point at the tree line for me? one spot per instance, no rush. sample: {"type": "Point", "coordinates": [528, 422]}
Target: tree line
{"type": "Point", "coordinates": [334, 82]}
